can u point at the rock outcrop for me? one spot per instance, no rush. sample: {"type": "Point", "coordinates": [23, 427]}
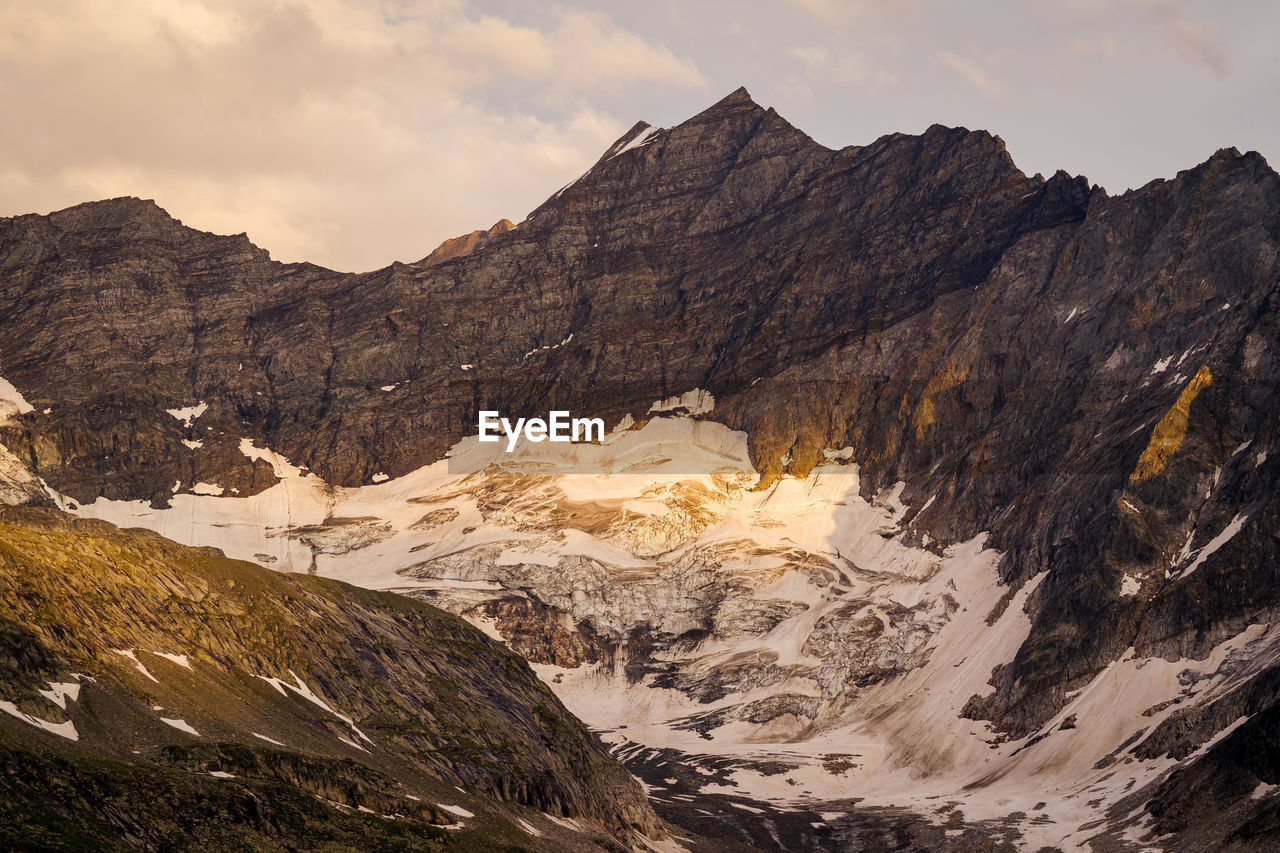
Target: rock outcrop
{"type": "Point", "coordinates": [456, 247]}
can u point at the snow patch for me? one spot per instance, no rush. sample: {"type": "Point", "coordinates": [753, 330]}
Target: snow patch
{"type": "Point", "coordinates": [644, 137]}
{"type": "Point", "coordinates": [1233, 527]}
{"type": "Point", "coordinates": [180, 660]}
{"type": "Point", "coordinates": [59, 692]}
{"type": "Point", "coordinates": [537, 350]}
{"type": "Point", "coordinates": [187, 414]}
{"type": "Point", "coordinates": [1263, 790]}
{"type": "Point", "coordinates": [665, 845]}
{"type": "Point", "coordinates": [11, 401]}
{"type": "Point", "coordinates": [300, 687]}
{"type": "Point", "coordinates": [566, 822]}
{"type": "Point", "coordinates": [180, 725]}
{"type": "Point", "coordinates": [349, 742]}
{"type": "Point", "coordinates": [456, 810]}
{"type": "Point", "coordinates": [128, 653]}
{"type": "Point", "coordinates": [66, 730]}
{"type": "Point", "coordinates": [207, 489]}
{"type": "Point", "coordinates": [280, 466]}
{"type": "Point", "coordinates": [194, 445]}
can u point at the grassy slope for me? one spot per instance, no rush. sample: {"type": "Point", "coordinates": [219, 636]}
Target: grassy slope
{"type": "Point", "coordinates": [442, 704]}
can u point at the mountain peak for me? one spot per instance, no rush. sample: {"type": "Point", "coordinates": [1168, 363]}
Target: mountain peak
{"type": "Point", "coordinates": [739, 95]}
{"type": "Point", "coordinates": [122, 212]}
{"type": "Point", "coordinates": [737, 101]}
{"type": "Point", "coordinates": [465, 244]}
{"type": "Point", "coordinates": [122, 207]}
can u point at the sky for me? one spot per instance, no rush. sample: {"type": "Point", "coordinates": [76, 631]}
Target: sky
{"type": "Point", "coordinates": [352, 133]}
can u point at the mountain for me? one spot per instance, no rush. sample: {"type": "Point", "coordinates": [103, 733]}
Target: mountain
{"type": "Point", "coordinates": [162, 697]}
{"type": "Point", "coordinates": [925, 478]}
{"type": "Point", "coordinates": [456, 247]}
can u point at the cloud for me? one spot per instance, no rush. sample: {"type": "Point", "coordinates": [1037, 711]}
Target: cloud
{"type": "Point", "coordinates": [871, 24]}
{"type": "Point", "coordinates": [861, 20]}
{"type": "Point", "coordinates": [346, 132]}
{"type": "Point", "coordinates": [844, 67]}
{"type": "Point", "coordinates": [970, 71]}
{"type": "Point", "coordinates": [820, 64]}
{"type": "Point", "coordinates": [593, 50]}
{"type": "Point", "coordinates": [582, 51]}
{"type": "Point", "coordinates": [1194, 41]}
{"type": "Point", "coordinates": [1100, 48]}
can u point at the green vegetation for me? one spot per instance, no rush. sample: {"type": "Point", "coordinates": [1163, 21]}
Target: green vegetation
{"type": "Point", "coordinates": [381, 705]}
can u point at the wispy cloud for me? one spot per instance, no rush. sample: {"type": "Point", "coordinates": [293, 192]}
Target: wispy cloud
{"type": "Point", "coordinates": [818, 66]}
{"type": "Point", "coordinates": [970, 71]}
{"type": "Point", "coordinates": [821, 64]}
{"type": "Point", "coordinates": [860, 20]}
{"type": "Point", "coordinates": [1195, 41]}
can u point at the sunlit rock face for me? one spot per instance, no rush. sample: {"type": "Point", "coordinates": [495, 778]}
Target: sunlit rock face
{"type": "Point", "coordinates": [911, 450]}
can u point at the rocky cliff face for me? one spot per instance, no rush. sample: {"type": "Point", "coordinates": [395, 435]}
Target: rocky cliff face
{"type": "Point", "coordinates": [714, 254]}
{"type": "Point", "coordinates": [1086, 382]}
